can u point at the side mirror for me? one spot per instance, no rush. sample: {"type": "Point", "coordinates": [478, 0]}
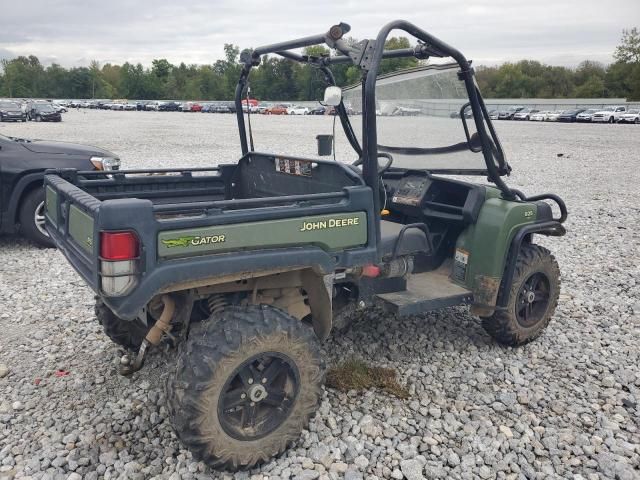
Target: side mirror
{"type": "Point", "coordinates": [332, 96]}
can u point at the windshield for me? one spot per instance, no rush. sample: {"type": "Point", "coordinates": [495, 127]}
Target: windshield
{"type": "Point", "coordinates": [44, 108]}
{"type": "Point", "coordinates": [419, 119]}
{"type": "Point", "coordinates": [634, 111]}
{"type": "Point", "coordinates": [9, 105]}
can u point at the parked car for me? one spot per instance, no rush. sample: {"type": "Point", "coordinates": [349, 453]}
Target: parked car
{"type": "Point", "coordinates": [263, 107]}
{"type": "Point", "coordinates": [297, 110]}
{"type": "Point", "coordinates": [43, 112]}
{"type": "Point", "coordinates": [553, 116]}
{"type": "Point", "coordinates": [539, 116]}
{"type": "Point", "coordinates": [12, 112]}
{"type": "Point", "coordinates": [609, 114]}
{"type": "Point", "coordinates": [494, 114]}
{"type": "Point", "coordinates": [319, 110]}
{"type": "Point", "coordinates": [586, 115]}
{"type": "Point", "coordinates": [252, 107]}
{"type": "Point", "coordinates": [632, 116]}
{"type": "Point", "coordinates": [151, 106]}
{"type": "Point", "coordinates": [170, 107]}
{"type": "Point", "coordinates": [402, 111]}
{"type": "Point", "coordinates": [59, 107]}
{"type": "Point", "coordinates": [22, 166]}
{"type": "Point", "coordinates": [525, 114]}
{"type": "Point", "coordinates": [196, 107]}
{"type": "Point", "coordinates": [509, 113]}
{"type": "Point", "coordinates": [277, 110]}
{"type": "Point", "coordinates": [220, 109]}
{"type": "Point", "coordinates": [570, 115]}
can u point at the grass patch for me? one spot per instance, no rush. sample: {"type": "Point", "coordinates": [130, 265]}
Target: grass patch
{"type": "Point", "coordinates": [354, 374]}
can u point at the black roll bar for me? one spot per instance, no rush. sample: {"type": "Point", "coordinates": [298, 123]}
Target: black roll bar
{"type": "Point", "coordinates": [370, 139]}
{"type": "Point", "coordinates": [369, 63]}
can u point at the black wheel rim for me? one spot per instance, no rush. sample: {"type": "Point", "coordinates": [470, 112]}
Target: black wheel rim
{"type": "Point", "coordinates": [258, 396]}
{"type": "Point", "coordinates": [533, 299]}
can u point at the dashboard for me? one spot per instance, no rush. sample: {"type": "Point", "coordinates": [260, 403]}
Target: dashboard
{"type": "Point", "coordinates": [419, 195]}
{"type": "Point", "coordinates": [410, 190]}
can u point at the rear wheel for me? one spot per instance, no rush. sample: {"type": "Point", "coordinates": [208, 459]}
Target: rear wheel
{"type": "Point", "coordinates": [246, 384]}
{"type": "Point", "coordinates": [533, 297]}
{"type": "Point", "coordinates": [32, 219]}
{"type": "Point", "coordinates": [127, 334]}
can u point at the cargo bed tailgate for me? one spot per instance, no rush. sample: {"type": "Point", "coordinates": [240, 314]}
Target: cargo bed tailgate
{"type": "Point", "coordinates": [70, 216]}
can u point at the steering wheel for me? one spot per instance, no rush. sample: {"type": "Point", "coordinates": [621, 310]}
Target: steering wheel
{"type": "Point", "coordinates": [382, 169]}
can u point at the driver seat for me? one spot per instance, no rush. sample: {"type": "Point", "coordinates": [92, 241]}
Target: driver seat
{"type": "Point", "coordinates": [414, 240]}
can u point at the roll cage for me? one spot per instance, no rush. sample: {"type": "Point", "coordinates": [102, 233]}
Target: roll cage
{"type": "Point", "coordinates": [367, 56]}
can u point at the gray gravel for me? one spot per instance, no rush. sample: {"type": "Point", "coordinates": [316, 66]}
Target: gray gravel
{"type": "Point", "coordinates": [565, 406]}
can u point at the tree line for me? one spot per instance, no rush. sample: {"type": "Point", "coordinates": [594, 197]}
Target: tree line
{"type": "Point", "coordinates": [281, 79]}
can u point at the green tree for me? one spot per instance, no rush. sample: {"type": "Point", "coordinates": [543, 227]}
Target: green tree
{"type": "Point", "coordinates": [94, 68]}
{"type": "Point", "coordinates": [161, 68]}
{"type": "Point", "coordinates": [394, 64]}
{"type": "Point", "coordinates": [629, 49]}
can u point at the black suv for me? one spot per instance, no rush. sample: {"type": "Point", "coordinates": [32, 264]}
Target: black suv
{"type": "Point", "coordinates": [43, 112]}
{"type": "Point", "coordinates": [170, 107]}
{"type": "Point", "coordinates": [22, 166]}
{"type": "Point", "coordinates": [11, 112]}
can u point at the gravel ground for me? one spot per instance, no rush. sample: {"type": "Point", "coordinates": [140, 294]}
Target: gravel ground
{"type": "Point", "coordinates": [565, 406]}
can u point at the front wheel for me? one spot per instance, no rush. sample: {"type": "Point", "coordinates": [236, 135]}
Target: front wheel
{"type": "Point", "coordinates": [32, 219]}
{"type": "Point", "coordinates": [245, 385]}
{"type": "Point", "coordinates": [38, 118]}
{"type": "Point", "coordinates": [611, 120]}
{"type": "Point", "coordinates": [533, 297]}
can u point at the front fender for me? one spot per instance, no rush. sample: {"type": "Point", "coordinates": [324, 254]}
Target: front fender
{"type": "Point", "coordinates": [482, 249]}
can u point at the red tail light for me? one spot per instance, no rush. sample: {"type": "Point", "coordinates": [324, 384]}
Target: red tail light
{"type": "Point", "coordinates": [371, 271]}
{"type": "Point", "coordinates": [119, 245]}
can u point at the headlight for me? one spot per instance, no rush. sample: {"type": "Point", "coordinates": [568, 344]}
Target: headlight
{"type": "Point", "coordinates": [105, 163]}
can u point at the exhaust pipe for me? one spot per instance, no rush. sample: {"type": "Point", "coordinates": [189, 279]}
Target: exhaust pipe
{"type": "Point", "coordinates": [153, 337]}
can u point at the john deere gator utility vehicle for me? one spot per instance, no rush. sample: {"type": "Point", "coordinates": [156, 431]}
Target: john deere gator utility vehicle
{"type": "Point", "coordinates": [245, 267]}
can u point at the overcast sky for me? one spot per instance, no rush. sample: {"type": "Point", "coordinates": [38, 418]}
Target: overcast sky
{"type": "Point", "coordinates": [74, 32]}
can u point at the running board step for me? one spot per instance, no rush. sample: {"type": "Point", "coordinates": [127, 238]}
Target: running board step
{"type": "Point", "coordinates": [425, 292]}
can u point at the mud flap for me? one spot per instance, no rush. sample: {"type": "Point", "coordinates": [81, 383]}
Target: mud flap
{"type": "Point", "coordinates": [319, 288]}
{"type": "Point", "coordinates": [485, 294]}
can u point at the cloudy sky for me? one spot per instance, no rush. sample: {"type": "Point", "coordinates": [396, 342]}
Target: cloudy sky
{"type": "Point", "coordinates": [74, 32]}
